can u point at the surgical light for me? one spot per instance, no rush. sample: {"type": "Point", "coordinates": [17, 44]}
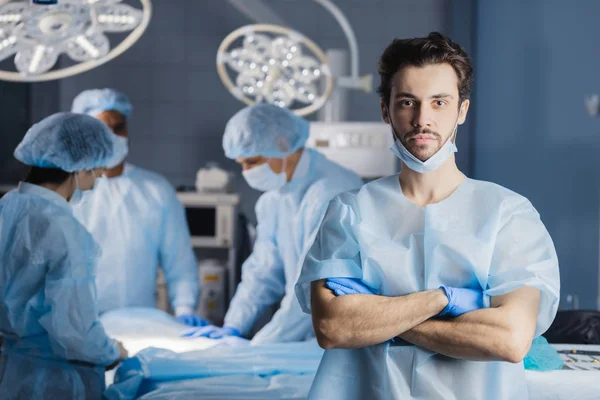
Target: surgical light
{"type": "Point", "coordinates": [293, 72]}
{"type": "Point", "coordinates": [274, 64]}
{"type": "Point", "coordinates": [37, 33]}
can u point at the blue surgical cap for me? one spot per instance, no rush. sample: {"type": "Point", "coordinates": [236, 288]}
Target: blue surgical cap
{"type": "Point", "coordinates": [266, 130]}
{"type": "Point", "coordinates": [71, 142]}
{"type": "Point", "coordinates": [95, 101]}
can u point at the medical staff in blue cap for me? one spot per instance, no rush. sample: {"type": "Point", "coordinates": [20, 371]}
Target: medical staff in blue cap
{"type": "Point", "coordinates": [268, 142]}
{"type": "Point", "coordinates": [138, 221]}
{"type": "Point", "coordinates": [54, 345]}
{"type": "Point", "coordinates": [428, 284]}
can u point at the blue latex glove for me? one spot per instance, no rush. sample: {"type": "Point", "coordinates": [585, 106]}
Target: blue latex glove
{"type": "Point", "coordinates": [344, 286]}
{"type": "Point", "coordinates": [192, 320]}
{"type": "Point", "coordinates": [461, 301]}
{"type": "Point", "coordinates": [211, 332]}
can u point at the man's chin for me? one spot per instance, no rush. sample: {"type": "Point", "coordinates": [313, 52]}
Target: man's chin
{"type": "Point", "coordinates": [422, 154]}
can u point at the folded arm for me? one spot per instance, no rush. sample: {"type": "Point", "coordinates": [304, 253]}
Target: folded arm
{"type": "Point", "coordinates": [356, 321]}
{"type": "Point", "coordinates": [501, 333]}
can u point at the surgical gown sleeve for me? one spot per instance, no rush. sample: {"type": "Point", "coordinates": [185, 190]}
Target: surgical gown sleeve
{"type": "Point", "coordinates": [177, 257]}
{"type": "Point", "coordinates": [335, 251]}
{"type": "Point", "coordinates": [263, 277]}
{"type": "Point", "coordinates": [289, 323]}
{"type": "Point", "coordinates": [70, 310]}
{"type": "Point", "coordinates": [524, 255]}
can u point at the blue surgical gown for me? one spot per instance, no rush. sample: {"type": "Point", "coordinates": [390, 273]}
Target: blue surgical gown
{"type": "Point", "coordinates": [482, 236]}
{"type": "Point", "coordinates": [139, 223]}
{"type": "Point", "coordinates": [54, 345]}
{"type": "Point", "coordinates": [288, 219]}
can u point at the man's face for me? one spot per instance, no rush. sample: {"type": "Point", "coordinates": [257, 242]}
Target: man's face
{"type": "Point", "coordinates": [425, 107]}
{"type": "Point", "coordinates": [116, 121]}
{"type": "Point", "coordinates": [248, 163]}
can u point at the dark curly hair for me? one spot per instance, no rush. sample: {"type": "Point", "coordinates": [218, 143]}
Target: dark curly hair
{"type": "Point", "coordinates": [434, 49]}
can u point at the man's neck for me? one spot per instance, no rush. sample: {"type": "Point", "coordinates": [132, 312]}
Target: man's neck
{"type": "Point", "coordinates": [431, 187]}
{"type": "Point", "coordinates": [116, 171]}
{"type": "Point", "coordinates": [291, 163]}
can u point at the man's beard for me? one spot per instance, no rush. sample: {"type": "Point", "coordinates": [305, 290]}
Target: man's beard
{"type": "Point", "coordinates": [417, 149]}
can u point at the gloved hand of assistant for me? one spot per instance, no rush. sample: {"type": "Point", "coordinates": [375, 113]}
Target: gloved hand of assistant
{"type": "Point", "coordinates": [344, 286]}
{"type": "Point", "coordinates": [123, 355]}
{"type": "Point", "coordinates": [461, 301]}
{"type": "Point", "coordinates": [212, 332]}
{"type": "Point", "coordinates": [192, 320]}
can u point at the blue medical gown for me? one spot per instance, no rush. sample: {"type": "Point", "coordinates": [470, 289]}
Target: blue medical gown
{"type": "Point", "coordinates": [48, 312]}
{"type": "Point", "coordinates": [139, 223]}
{"type": "Point", "coordinates": [482, 236]}
{"type": "Point", "coordinates": [288, 220]}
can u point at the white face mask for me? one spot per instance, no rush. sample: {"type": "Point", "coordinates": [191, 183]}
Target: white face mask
{"type": "Point", "coordinates": [433, 162]}
{"type": "Point", "coordinates": [264, 179]}
{"type": "Point", "coordinates": [121, 151]}
{"type": "Point", "coordinates": [79, 196]}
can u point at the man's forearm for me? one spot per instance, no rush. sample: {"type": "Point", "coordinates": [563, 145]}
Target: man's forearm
{"type": "Point", "coordinates": [482, 335]}
{"type": "Point", "coordinates": [503, 332]}
{"type": "Point", "coordinates": [355, 321]}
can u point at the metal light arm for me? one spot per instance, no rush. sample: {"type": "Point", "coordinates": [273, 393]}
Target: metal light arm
{"type": "Point", "coordinates": [354, 81]}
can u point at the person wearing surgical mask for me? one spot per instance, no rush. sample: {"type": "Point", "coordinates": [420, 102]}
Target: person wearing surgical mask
{"type": "Point", "coordinates": [428, 284]}
{"type": "Point", "coordinates": [268, 142]}
{"type": "Point", "coordinates": [54, 346]}
{"type": "Point", "coordinates": [139, 222]}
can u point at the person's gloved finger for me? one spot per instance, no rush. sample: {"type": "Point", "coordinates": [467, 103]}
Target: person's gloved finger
{"type": "Point", "coordinates": [197, 321]}
{"type": "Point", "coordinates": [218, 334]}
{"type": "Point", "coordinates": [338, 289]}
{"type": "Point", "coordinates": [192, 320]}
{"type": "Point", "coordinates": [352, 285]}
{"type": "Point", "coordinates": [448, 292]}
{"type": "Point", "coordinates": [356, 285]}
{"type": "Point", "coordinates": [203, 332]}
{"type": "Point", "coordinates": [191, 333]}
{"type": "Point", "coordinates": [187, 332]}
{"type": "Point", "coordinates": [340, 292]}
{"type": "Point", "coordinates": [334, 284]}
{"type": "Point", "coordinates": [348, 282]}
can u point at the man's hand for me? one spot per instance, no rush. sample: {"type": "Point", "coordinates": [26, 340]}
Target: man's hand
{"type": "Point", "coordinates": [462, 301]}
{"type": "Point", "coordinates": [502, 332]}
{"type": "Point", "coordinates": [344, 286]}
{"type": "Point", "coordinates": [212, 332]}
{"type": "Point", "coordinates": [123, 354]}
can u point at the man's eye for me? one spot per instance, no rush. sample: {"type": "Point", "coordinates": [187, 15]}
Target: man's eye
{"type": "Point", "coordinates": [407, 103]}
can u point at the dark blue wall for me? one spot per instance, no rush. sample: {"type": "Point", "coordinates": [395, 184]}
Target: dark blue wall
{"type": "Point", "coordinates": [535, 62]}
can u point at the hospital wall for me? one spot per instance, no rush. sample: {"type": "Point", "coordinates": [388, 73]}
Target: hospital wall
{"type": "Point", "coordinates": [535, 62]}
{"type": "Point", "coordinates": [14, 121]}
{"type": "Point", "coordinates": [180, 104]}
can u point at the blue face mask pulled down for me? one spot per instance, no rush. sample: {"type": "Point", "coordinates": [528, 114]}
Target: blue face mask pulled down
{"type": "Point", "coordinates": [429, 165]}
{"type": "Point", "coordinates": [264, 179]}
